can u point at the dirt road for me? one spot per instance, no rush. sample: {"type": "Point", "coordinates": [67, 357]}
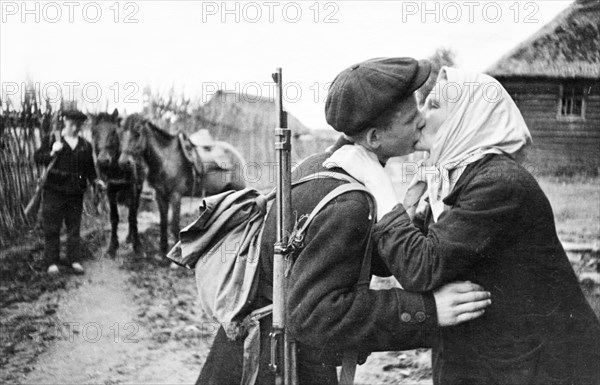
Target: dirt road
{"type": "Point", "coordinates": [112, 325]}
{"type": "Point", "coordinates": [101, 339]}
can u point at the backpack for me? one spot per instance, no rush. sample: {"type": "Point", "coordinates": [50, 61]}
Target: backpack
{"type": "Point", "coordinates": [223, 245]}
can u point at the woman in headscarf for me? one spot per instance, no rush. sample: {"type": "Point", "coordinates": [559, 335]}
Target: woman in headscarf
{"type": "Point", "coordinates": [488, 221]}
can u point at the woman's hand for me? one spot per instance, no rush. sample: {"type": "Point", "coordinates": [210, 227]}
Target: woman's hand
{"type": "Point", "coordinates": [459, 302]}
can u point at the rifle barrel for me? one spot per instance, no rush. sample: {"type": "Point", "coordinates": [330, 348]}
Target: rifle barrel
{"type": "Point", "coordinates": [283, 357]}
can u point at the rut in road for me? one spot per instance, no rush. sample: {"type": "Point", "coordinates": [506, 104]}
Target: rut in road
{"type": "Point", "coordinates": [101, 340]}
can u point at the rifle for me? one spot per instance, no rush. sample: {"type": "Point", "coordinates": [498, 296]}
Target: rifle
{"type": "Point", "coordinates": [283, 348]}
{"type": "Point", "coordinates": [37, 195]}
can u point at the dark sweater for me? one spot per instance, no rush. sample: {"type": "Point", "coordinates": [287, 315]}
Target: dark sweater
{"type": "Point", "coordinates": [73, 167]}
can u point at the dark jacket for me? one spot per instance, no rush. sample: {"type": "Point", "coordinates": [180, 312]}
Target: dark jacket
{"type": "Point", "coordinates": [73, 167]}
{"type": "Point", "coordinates": [499, 233]}
{"type": "Point", "coordinates": [325, 312]}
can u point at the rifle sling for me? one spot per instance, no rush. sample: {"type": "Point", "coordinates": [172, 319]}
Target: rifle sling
{"type": "Point", "coordinates": [267, 292]}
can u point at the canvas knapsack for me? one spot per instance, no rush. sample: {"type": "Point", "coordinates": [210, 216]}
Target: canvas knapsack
{"type": "Point", "coordinates": [223, 244]}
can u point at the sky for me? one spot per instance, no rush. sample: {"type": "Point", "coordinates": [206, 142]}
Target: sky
{"type": "Point", "coordinates": [105, 53]}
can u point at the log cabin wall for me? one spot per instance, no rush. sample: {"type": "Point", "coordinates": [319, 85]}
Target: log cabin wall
{"type": "Point", "coordinates": [561, 145]}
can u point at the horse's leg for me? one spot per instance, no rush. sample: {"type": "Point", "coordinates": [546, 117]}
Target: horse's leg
{"type": "Point", "coordinates": [114, 220]}
{"type": "Point", "coordinates": [133, 209]}
{"type": "Point", "coordinates": [163, 208]}
{"type": "Point", "coordinates": [176, 206]}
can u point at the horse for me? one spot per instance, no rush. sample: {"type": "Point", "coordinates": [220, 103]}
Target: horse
{"type": "Point", "coordinates": [124, 186]}
{"type": "Point", "coordinates": [170, 172]}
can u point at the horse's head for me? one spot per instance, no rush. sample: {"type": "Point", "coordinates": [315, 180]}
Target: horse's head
{"type": "Point", "coordinates": [133, 141]}
{"type": "Point", "coordinates": [106, 138]}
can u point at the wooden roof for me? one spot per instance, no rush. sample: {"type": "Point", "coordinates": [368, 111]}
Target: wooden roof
{"type": "Point", "coordinates": [567, 47]}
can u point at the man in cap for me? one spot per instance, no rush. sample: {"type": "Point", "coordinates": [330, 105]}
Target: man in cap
{"type": "Point", "coordinates": [372, 102]}
{"type": "Point", "coordinates": [64, 189]}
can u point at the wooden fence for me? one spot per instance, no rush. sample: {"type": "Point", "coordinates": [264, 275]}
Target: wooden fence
{"type": "Point", "coordinates": [20, 132]}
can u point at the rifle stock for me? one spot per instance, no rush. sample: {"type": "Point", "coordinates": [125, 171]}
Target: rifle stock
{"type": "Point", "coordinates": [283, 349]}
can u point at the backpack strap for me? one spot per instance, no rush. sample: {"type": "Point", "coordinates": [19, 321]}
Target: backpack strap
{"type": "Point", "coordinates": [316, 176]}
{"type": "Point", "coordinates": [326, 175]}
{"type": "Point", "coordinates": [298, 235]}
{"type": "Point", "coordinates": [349, 358]}
{"type": "Point", "coordinates": [345, 188]}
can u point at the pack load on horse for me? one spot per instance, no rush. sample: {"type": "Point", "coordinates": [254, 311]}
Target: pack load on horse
{"type": "Point", "coordinates": [175, 168]}
{"type": "Point", "coordinates": [124, 185]}
{"type": "Point", "coordinates": [221, 161]}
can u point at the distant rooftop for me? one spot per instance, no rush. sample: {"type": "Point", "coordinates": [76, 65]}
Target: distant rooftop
{"type": "Point", "coordinates": [567, 47]}
{"type": "Point", "coordinates": [244, 112]}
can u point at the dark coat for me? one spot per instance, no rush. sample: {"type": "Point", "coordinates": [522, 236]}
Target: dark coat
{"type": "Point", "coordinates": [499, 233]}
{"type": "Point", "coordinates": [73, 167]}
{"type": "Point", "coordinates": [325, 313]}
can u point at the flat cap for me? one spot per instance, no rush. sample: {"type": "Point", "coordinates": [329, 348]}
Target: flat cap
{"type": "Point", "coordinates": [363, 92]}
{"type": "Point", "coordinates": [75, 115]}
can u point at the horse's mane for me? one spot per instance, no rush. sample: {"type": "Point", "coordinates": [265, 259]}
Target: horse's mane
{"type": "Point", "coordinates": [106, 117]}
{"type": "Point", "coordinates": [133, 119]}
{"type": "Point", "coordinates": [164, 134]}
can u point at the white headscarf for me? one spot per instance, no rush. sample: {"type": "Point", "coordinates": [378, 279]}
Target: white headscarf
{"type": "Point", "coordinates": [482, 119]}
